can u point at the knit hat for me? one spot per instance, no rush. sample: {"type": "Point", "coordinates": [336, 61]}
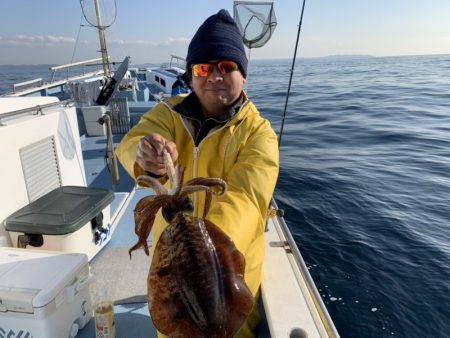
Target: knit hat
{"type": "Point", "coordinates": [218, 38]}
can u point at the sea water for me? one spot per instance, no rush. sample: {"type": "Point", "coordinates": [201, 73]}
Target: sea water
{"type": "Point", "coordinates": [364, 183]}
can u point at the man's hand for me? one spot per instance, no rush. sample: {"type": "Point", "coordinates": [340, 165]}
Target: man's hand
{"type": "Point", "coordinates": [150, 153]}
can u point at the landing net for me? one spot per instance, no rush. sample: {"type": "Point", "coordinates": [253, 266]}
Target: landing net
{"type": "Point", "coordinates": [256, 21]}
{"type": "Point", "coordinates": [99, 13]}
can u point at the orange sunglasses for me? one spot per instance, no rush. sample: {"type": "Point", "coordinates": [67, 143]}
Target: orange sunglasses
{"type": "Point", "coordinates": [205, 69]}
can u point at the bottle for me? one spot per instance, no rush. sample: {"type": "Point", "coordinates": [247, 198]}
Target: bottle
{"type": "Point", "coordinates": [104, 316]}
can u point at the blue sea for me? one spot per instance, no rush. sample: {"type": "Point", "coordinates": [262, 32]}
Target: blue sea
{"type": "Point", "coordinates": [364, 183]}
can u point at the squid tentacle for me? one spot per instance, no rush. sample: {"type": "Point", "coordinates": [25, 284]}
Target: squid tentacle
{"type": "Point", "coordinates": [153, 183]}
{"type": "Point", "coordinates": [147, 207]}
{"type": "Point", "coordinates": [144, 215]}
{"type": "Point", "coordinates": [194, 188]}
{"type": "Point", "coordinates": [177, 183]}
{"type": "Point", "coordinates": [209, 182]}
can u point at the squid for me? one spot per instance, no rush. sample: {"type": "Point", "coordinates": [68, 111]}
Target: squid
{"type": "Point", "coordinates": [196, 285]}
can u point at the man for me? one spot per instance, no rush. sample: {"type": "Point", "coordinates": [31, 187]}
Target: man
{"type": "Point", "coordinates": [181, 85]}
{"type": "Point", "coordinates": [215, 131]}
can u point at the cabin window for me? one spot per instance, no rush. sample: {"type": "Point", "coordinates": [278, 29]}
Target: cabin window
{"type": "Point", "coordinates": [163, 82]}
{"type": "Point", "coordinates": [157, 78]}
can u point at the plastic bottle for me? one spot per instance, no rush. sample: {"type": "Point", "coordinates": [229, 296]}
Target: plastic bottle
{"type": "Point", "coordinates": [104, 316]}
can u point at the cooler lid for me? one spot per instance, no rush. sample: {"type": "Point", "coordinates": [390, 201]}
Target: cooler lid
{"type": "Point", "coordinates": [31, 279]}
{"type": "Point", "coordinates": [62, 211]}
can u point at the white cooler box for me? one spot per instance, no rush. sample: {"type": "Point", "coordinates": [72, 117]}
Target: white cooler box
{"type": "Point", "coordinates": [43, 294]}
{"type": "Point", "coordinates": [69, 219]}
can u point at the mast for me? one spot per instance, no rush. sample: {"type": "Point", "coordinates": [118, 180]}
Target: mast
{"type": "Point", "coordinates": [101, 34]}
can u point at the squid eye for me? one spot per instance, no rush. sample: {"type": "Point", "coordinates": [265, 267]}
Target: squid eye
{"type": "Point", "coordinates": [188, 205]}
{"type": "Point", "coordinates": [169, 211]}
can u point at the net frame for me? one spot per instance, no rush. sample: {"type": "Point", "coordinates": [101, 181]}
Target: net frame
{"type": "Point", "coordinates": [256, 21]}
{"type": "Point", "coordinates": [108, 8]}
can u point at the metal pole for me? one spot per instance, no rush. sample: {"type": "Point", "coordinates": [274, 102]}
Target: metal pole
{"type": "Point", "coordinates": [111, 158]}
{"type": "Point", "coordinates": [111, 155]}
{"type": "Point", "coordinates": [101, 34]}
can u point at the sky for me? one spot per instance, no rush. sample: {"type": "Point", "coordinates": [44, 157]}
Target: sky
{"type": "Point", "coordinates": [55, 31]}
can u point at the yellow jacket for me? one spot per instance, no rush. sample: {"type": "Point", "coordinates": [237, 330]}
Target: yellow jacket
{"type": "Point", "coordinates": [243, 152]}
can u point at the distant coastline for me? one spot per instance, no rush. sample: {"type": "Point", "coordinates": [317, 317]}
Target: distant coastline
{"type": "Point", "coordinates": [350, 57]}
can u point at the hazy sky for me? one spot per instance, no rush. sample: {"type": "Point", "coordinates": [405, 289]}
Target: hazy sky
{"type": "Point", "coordinates": [48, 31]}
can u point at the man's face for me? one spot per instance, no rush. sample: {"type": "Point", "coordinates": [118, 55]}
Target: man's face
{"type": "Point", "coordinates": [219, 89]}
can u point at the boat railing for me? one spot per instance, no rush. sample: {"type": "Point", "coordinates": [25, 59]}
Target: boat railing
{"type": "Point", "coordinates": [180, 61]}
{"type": "Point", "coordinates": [322, 310]}
{"type": "Point", "coordinates": [40, 84]}
{"type": "Point", "coordinates": [36, 85]}
{"type": "Point", "coordinates": [87, 63]}
{"type": "Point", "coordinates": [27, 83]}
{"type": "Point", "coordinates": [35, 110]}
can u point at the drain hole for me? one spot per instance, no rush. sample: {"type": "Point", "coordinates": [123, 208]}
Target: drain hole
{"type": "Point", "coordinates": [298, 333]}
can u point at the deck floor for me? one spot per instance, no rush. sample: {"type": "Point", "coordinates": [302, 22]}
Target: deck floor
{"type": "Point", "coordinates": [125, 280]}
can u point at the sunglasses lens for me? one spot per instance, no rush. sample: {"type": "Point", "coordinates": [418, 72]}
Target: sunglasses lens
{"type": "Point", "coordinates": [226, 67]}
{"type": "Point", "coordinates": [204, 69]}
{"type": "Point", "coordinates": [201, 69]}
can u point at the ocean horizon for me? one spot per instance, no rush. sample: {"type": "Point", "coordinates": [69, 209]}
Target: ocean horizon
{"type": "Point", "coordinates": [298, 58]}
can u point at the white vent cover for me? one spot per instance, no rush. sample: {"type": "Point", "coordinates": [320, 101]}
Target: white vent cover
{"type": "Point", "coordinates": [40, 168]}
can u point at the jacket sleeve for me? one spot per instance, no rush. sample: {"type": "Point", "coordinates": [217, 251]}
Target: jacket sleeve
{"type": "Point", "coordinates": [241, 211]}
{"type": "Point", "coordinates": [156, 120]}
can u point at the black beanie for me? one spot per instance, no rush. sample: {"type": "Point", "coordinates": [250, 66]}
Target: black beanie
{"type": "Point", "coordinates": [218, 38]}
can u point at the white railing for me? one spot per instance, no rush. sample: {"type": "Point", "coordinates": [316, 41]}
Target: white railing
{"type": "Point", "coordinates": [40, 84]}
{"type": "Point", "coordinates": [26, 83]}
{"type": "Point", "coordinates": [92, 62]}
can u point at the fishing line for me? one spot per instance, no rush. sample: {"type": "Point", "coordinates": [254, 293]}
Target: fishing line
{"type": "Point", "coordinates": [78, 37]}
{"type": "Point", "coordinates": [292, 73]}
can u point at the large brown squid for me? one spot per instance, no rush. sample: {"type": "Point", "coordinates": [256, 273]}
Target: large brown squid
{"type": "Point", "coordinates": [196, 284]}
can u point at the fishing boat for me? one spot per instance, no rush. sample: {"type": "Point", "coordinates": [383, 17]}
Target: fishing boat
{"type": "Point", "coordinates": [67, 212]}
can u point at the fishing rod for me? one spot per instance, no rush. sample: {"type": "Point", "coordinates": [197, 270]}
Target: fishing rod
{"type": "Point", "coordinates": [292, 73]}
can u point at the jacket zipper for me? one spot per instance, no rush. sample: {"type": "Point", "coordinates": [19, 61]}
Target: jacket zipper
{"type": "Point", "coordinates": [194, 174]}
{"type": "Point", "coordinates": [196, 149]}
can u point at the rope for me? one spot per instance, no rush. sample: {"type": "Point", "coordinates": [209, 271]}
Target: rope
{"type": "Point", "coordinates": [292, 73]}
